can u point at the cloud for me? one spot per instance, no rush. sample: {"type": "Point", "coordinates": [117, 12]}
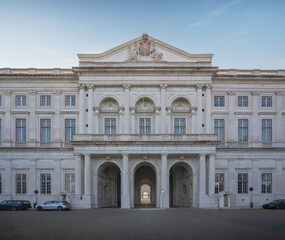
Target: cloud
{"type": "Point", "coordinates": [224, 8]}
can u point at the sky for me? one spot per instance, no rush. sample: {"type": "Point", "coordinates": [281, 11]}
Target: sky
{"type": "Point", "coordinates": [242, 34]}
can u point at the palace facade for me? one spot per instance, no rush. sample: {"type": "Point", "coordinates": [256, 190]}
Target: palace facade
{"type": "Point", "coordinates": [143, 125]}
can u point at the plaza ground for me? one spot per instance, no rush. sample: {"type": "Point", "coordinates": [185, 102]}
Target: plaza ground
{"type": "Point", "coordinates": [176, 223]}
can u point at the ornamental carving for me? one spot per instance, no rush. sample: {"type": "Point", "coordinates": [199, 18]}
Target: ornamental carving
{"type": "Point", "coordinates": [144, 50]}
{"type": "Point", "coordinates": [109, 105]}
{"type": "Point", "coordinates": [181, 105]}
{"type": "Point", "coordinates": [145, 105]}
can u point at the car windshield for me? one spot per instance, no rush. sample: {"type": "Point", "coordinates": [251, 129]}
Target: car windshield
{"type": "Point", "coordinates": [275, 201]}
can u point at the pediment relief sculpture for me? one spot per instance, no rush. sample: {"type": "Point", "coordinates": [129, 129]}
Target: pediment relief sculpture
{"type": "Point", "coordinates": [181, 106]}
{"type": "Point", "coordinates": [145, 106]}
{"type": "Point", "coordinates": [144, 50]}
{"type": "Point", "coordinates": [109, 105]}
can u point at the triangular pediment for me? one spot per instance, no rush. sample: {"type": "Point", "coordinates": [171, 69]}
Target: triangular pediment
{"type": "Point", "coordinates": [144, 49]}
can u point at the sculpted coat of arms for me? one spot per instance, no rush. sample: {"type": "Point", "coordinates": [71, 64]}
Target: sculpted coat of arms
{"type": "Point", "coordinates": [144, 50]}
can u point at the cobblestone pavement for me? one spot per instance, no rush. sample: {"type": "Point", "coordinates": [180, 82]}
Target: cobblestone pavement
{"type": "Point", "coordinates": [174, 224]}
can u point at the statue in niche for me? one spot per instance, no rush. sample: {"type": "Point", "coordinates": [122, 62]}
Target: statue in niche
{"type": "Point", "coordinates": [107, 191]}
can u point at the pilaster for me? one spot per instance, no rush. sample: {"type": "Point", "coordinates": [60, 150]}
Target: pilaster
{"type": "Point", "coordinates": [199, 107]}
{"type": "Point", "coordinates": [90, 108]}
{"type": "Point", "coordinates": [163, 87]}
{"type": "Point", "coordinates": [127, 107]}
{"type": "Point", "coordinates": [125, 203]}
{"type": "Point", "coordinates": [81, 104]}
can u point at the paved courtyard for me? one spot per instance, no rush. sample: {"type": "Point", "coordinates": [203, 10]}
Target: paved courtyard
{"type": "Point", "coordinates": [143, 224]}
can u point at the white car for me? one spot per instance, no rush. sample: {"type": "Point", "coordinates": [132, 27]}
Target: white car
{"type": "Point", "coordinates": [54, 205]}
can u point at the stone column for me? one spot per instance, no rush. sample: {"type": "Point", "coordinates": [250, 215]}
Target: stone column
{"type": "Point", "coordinates": [232, 125]}
{"type": "Point", "coordinates": [209, 108]}
{"type": "Point", "coordinates": [96, 120]}
{"type": "Point", "coordinates": [82, 113]}
{"type": "Point", "coordinates": [127, 108]}
{"type": "Point", "coordinates": [256, 130]}
{"type": "Point", "coordinates": [202, 174]}
{"type": "Point", "coordinates": [194, 120]}
{"type": "Point", "coordinates": [169, 120]}
{"type": "Point", "coordinates": [199, 108]}
{"type": "Point", "coordinates": [87, 175]}
{"type": "Point", "coordinates": [279, 178]}
{"type": "Point", "coordinates": [32, 119]}
{"type": "Point", "coordinates": [7, 129]}
{"type": "Point", "coordinates": [133, 123]}
{"type": "Point", "coordinates": [163, 120]}
{"type": "Point", "coordinates": [78, 174]}
{"type": "Point", "coordinates": [164, 195]}
{"type": "Point", "coordinates": [125, 203]}
{"type": "Point", "coordinates": [279, 119]}
{"type": "Point", "coordinates": [157, 121]}
{"type": "Point", "coordinates": [212, 169]}
{"type": "Point", "coordinates": [32, 177]}
{"type": "Point", "coordinates": [7, 181]}
{"type": "Point", "coordinates": [121, 121]}
{"type": "Point", "coordinates": [56, 119]}
{"type": "Point", "coordinates": [90, 108]}
{"type": "Point", "coordinates": [57, 177]}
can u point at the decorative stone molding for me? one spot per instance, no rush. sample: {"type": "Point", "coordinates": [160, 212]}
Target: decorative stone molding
{"type": "Point", "coordinates": [8, 92]}
{"type": "Point", "coordinates": [145, 105]}
{"type": "Point", "coordinates": [57, 92]}
{"type": "Point", "coordinates": [163, 85]}
{"type": "Point", "coordinates": [231, 93]}
{"type": "Point", "coordinates": [90, 86]}
{"type": "Point", "coordinates": [181, 105]}
{"type": "Point", "coordinates": [81, 86]}
{"type": "Point", "coordinates": [33, 92]}
{"type": "Point", "coordinates": [243, 113]}
{"type": "Point", "coordinates": [255, 93]}
{"type": "Point", "coordinates": [127, 85]}
{"type": "Point", "coordinates": [109, 106]}
{"type": "Point", "coordinates": [267, 113]}
{"type": "Point", "coordinates": [199, 86]}
{"type": "Point", "coordinates": [208, 86]}
{"type": "Point", "coordinates": [278, 93]}
{"type": "Point", "coordinates": [194, 108]}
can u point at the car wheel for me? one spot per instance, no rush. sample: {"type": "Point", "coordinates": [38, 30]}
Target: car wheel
{"type": "Point", "coordinates": [39, 208]}
{"type": "Point", "coordinates": [14, 208]}
{"type": "Point", "coordinates": [59, 208]}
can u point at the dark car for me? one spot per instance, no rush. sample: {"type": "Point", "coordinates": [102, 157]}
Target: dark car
{"type": "Point", "coordinates": [276, 204]}
{"type": "Point", "coordinates": [15, 205]}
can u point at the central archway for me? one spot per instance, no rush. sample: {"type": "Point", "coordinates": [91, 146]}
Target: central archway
{"type": "Point", "coordinates": [144, 187]}
{"type": "Point", "coordinates": [109, 185]}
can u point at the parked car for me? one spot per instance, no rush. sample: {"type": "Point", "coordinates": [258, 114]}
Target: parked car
{"type": "Point", "coordinates": [54, 205]}
{"type": "Point", "coordinates": [276, 204]}
{"type": "Point", "coordinates": [15, 205]}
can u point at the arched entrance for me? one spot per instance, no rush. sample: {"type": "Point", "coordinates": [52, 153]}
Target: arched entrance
{"type": "Point", "coordinates": [144, 187]}
{"type": "Point", "coordinates": [181, 185]}
{"type": "Point", "coordinates": [109, 185]}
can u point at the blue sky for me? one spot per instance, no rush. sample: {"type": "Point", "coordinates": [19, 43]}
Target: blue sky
{"type": "Point", "coordinates": [244, 34]}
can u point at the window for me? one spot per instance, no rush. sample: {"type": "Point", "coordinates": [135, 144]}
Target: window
{"type": "Point", "coordinates": [45, 100]}
{"type": "Point", "coordinates": [45, 183]}
{"type": "Point", "coordinates": [145, 125]}
{"type": "Point", "coordinates": [242, 130]}
{"type": "Point", "coordinates": [45, 130]}
{"type": "Point", "coordinates": [219, 129]}
{"type": "Point", "coordinates": [266, 182]}
{"type": "Point", "coordinates": [70, 182]}
{"type": "Point", "coordinates": [110, 126]}
{"type": "Point", "coordinates": [21, 183]}
{"type": "Point", "coordinates": [266, 101]}
{"type": "Point", "coordinates": [219, 101]}
{"type": "Point", "coordinates": [242, 101]}
{"type": "Point", "coordinates": [179, 125]}
{"type": "Point", "coordinates": [0, 100]}
{"type": "Point", "coordinates": [0, 130]}
{"type": "Point", "coordinates": [70, 101]}
{"type": "Point", "coordinates": [69, 129]}
{"type": "Point", "coordinates": [242, 182]}
{"type": "Point", "coordinates": [21, 130]}
{"type": "Point", "coordinates": [266, 130]}
{"type": "Point", "coordinates": [0, 183]}
{"type": "Point", "coordinates": [219, 182]}
{"type": "Point", "coordinates": [21, 101]}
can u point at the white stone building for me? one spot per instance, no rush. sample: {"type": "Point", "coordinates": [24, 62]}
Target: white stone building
{"type": "Point", "coordinates": [138, 126]}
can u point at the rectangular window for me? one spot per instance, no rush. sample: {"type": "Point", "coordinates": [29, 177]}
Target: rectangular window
{"type": "Point", "coordinates": [219, 182]}
{"type": "Point", "coordinates": [266, 182]}
{"type": "Point", "coordinates": [145, 126]}
{"type": "Point", "coordinates": [179, 125]}
{"type": "Point", "coordinates": [21, 130]}
{"type": "Point", "coordinates": [70, 182]}
{"type": "Point", "coordinates": [70, 101]}
{"type": "Point", "coordinates": [45, 100]}
{"type": "Point", "coordinates": [45, 183]}
{"type": "Point", "coordinates": [21, 101]}
{"type": "Point", "coordinates": [0, 100]}
{"type": "Point", "coordinates": [0, 130]}
{"type": "Point", "coordinates": [242, 101]}
{"type": "Point", "coordinates": [219, 129]}
{"type": "Point", "coordinates": [0, 183]}
{"type": "Point", "coordinates": [45, 130]}
{"type": "Point", "coordinates": [21, 183]}
{"type": "Point", "coordinates": [242, 130]}
{"type": "Point", "coordinates": [266, 130]}
{"type": "Point", "coordinates": [69, 129]}
{"type": "Point", "coordinates": [219, 101]}
{"type": "Point", "coordinates": [266, 101]}
{"type": "Point", "coordinates": [110, 126]}
{"type": "Point", "coordinates": [242, 182]}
